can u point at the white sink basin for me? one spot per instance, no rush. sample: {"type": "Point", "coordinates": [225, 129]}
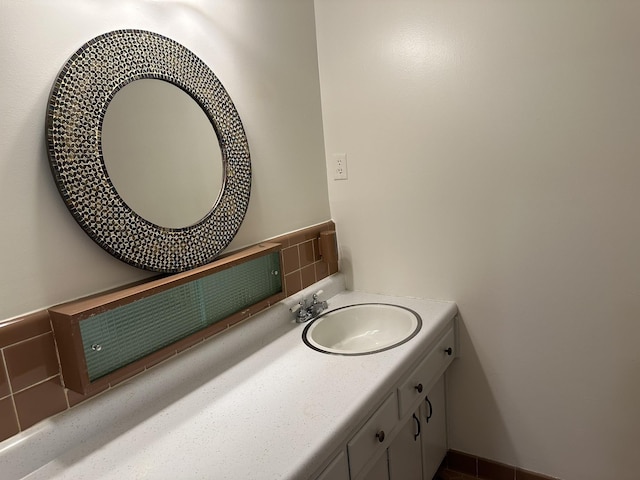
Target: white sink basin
{"type": "Point", "coordinates": [362, 329]}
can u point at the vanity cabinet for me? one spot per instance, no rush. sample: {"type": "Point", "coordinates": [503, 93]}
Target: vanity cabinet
{"type": "Point", "coordinates": [374, 437]}
{"type": "Point", "coordinates": [405, 452]}
{"type": "Point", "coordinates": [434, 429]}
{"type": "Point", "coordinates": [338, 469]}
{"type": "Point", "coordinates": [406, 436]}
{"type": "Point", "coordinates": [380, 471]}
{"type": "Point", "coordinates": [304, 414]}
{"type": "Point", "coordinates": [413, 389]}
{"type": "Point", "coordinates": [421, 443]}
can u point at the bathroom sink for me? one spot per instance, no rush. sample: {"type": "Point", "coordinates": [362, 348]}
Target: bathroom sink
{"type": "Point", "coordinates": [362, 329]}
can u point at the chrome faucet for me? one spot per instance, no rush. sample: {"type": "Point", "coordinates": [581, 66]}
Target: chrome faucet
{"type": "Point", "coordinates": [307, 310]}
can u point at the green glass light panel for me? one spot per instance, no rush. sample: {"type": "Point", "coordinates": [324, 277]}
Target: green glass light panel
{"type": "Point", "coordinates": [120, 336]}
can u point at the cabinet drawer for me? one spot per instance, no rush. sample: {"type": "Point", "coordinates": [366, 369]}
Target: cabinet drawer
{"type": "Point", "coordinates": [373, 437]}
{"type": "Point", "coordinates": [417, 383]}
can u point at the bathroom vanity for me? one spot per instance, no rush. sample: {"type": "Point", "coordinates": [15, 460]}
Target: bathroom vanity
{"type": "Point", "coordinates": [256, 402]}
{"type": "Point", "coordinates": [405, 437]}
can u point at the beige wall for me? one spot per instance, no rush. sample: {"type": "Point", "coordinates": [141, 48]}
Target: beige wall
{"type": "Point", "coordinates": [263, 52]}
{"type": "Point", "coordinates": [494, 159]}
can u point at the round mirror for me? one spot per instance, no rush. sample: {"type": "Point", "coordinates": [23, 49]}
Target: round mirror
{"type": "Point", "coordinates": [109, 161]}
{"type": "Point", "coordinates": [162, 153]}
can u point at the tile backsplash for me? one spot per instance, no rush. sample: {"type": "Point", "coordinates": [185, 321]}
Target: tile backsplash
{"type": "Point", "coordinates": [30, 381]}
{"type": "Point", "coordinates": [302, 263]}
{"type": "Point", "coordinates": [31, 386]}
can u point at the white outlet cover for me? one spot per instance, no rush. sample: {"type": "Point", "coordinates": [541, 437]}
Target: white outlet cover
{"type": "Point", "coordinates": [339, 166]}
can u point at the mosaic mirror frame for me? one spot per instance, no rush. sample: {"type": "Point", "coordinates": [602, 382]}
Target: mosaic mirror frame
{"type": "Point", "coordinates": [75, 112]}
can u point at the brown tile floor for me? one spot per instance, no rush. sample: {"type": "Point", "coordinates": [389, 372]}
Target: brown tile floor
{"type": "Point", "coordinates": [446, 474]}
{"type": "Point", "coordinates": [518, 474]}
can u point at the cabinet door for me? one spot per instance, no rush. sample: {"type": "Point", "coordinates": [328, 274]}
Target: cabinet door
{"type": "Point", "coordinates": [413, 389]}
{"type": "Point", "coordinates": [338, 469]}
{"type": "Point", "coordinates": [405, 453]}
{"type": "Point", "coordinates": [380, 471]}
{"type": "Point", "coordinates": [434, 429]}
{"type": "Point", "coordinates": [373, 438]}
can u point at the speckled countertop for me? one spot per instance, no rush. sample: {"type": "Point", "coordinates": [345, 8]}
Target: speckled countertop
{"type": "Point", "coordinates": [252, 403]}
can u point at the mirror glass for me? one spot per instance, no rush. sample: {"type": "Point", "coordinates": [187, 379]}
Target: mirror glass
{"type": "Point", "coordinates": [162, 153]}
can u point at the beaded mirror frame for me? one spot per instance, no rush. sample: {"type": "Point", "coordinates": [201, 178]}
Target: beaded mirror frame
{"type": "Point", "coordinates": [77, 105]}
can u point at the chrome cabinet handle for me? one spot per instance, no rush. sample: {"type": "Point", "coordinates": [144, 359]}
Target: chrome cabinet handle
{"type": "Point", "coordinates": [96, 347]}
{"type": "Point", "coordinates": [419, 388]}
{"type": "Point", "coordinates": [449, 351]}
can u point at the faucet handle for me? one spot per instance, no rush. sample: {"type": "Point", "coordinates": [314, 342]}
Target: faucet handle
{"type": "Point", "coordinates": [301, 311]}
{"type": "Point", "coordinates": [317, 294]}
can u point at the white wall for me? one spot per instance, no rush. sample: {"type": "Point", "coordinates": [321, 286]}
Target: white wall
{"type": "Point", "coordinates": [263, 52]}
{"type": "Point", "coordinates": [494, 159]}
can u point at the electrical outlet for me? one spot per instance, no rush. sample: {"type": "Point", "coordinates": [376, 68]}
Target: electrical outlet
{"type": "Point", "coordinates": [340, 166]}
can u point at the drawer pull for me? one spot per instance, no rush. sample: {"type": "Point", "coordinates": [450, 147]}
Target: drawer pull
{"type": "Point", "coordinates": [380, 436]}
{"type": "Point", "coordinates": [417, 434]}
{"type": "Point", "coordinates": [419, 388]}
{"type": "Point", "coordinates": [96, 347]}
{"type": "Point", "coordinates": [449, 351]}
{"type": "Point", "coordinates": [430, 414]}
